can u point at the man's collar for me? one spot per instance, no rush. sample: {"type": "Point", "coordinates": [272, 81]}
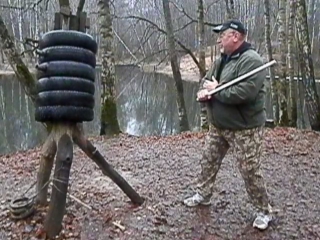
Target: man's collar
{"type": "Point", "coordinates": [241, 49]}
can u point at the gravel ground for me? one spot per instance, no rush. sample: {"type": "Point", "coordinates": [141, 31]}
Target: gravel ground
{"type": "Point", "coordinates": [162, 170]}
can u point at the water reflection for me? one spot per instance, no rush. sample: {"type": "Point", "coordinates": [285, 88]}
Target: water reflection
{"type": "Point", "coordinates": [146, 106]}
{"type": "Point", "coordinates": [18, 128]}
{"type": "Point", "coordinates": [147, 103]}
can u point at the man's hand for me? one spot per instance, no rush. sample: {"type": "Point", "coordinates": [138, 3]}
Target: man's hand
{"type": "Point", "coordinates": [210, 85]}
{"type": "Point", "coordinates": [203, 95]}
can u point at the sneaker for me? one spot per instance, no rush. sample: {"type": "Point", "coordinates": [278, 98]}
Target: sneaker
{"type": "Point", "coordinates": [196, 200]}
{"type": "Point", "coordinates": [262, 221]}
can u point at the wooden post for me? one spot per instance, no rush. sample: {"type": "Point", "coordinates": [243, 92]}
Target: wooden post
{"type": "Point", "coordinates": [60, 186]}
{"type": "Point", "coordinates": [60, 143]}
{"type": "Point", "coordinates": [74, 23]}
{"type": "Point", "coordinates": [57, 21]}
{"type": "Point", "coordinates": [82, 21]}
{"type": "Point", "coordinates": [48, 152]}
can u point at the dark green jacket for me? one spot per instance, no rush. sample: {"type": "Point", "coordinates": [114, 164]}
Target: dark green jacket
{"type": "Point", "coordinates": [239, 106]}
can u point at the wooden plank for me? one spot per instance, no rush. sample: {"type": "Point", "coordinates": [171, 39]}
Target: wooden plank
{"type": "Point", "coordinates": [88, 23]}
{"type": "Point", "coordinates": [74, 23]}
{"type": "Point", "coordinates": [82, 21]}
{"type": "Point", "coordinates": [57, 21]}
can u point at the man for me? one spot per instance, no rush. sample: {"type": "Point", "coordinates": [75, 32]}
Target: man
{"type": "Point", "coordinates": [237, 116]}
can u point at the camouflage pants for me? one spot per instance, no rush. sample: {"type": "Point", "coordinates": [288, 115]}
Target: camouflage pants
{"type": "Point", "coordinates": [247, 146]}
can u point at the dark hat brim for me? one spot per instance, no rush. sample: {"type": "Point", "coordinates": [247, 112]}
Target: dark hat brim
{"type": "Point", "coordinates": [217, 28]}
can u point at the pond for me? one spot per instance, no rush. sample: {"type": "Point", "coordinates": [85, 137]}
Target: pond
{"type": "Point", "coordinates": [146, 106]}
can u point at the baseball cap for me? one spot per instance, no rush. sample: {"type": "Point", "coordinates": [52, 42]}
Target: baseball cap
{"type": "Point", "coordinates": [233, 24]}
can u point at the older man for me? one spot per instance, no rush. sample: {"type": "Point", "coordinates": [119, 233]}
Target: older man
{"type": "Point", "coordinates": [237, 116]}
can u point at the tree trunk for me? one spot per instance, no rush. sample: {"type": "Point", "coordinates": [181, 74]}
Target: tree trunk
{"type": "Point", "coordinates": [183, 119]}
{"type": "Point", "coordinates": [109, 119]}
{"type": "Point", "coordinates": [301, 111]}
{"type": "Point", "coordinates": [311, 22]}
{"type": "Point", "coordinates": [202, 61]}
{"type": "Point", "coordinates": [292, 88]}
{"type": "Point", "coordinates": [201, 36]}
{"type": "Point", "coordinates": [311, 96]}
{"type": "Point", "coordinates": [273, 87]}
{"type": "Point", "coordinates": [281, 83]}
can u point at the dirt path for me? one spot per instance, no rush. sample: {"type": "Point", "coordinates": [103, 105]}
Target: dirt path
{"type": "Point", "coordinates": [162, 170]}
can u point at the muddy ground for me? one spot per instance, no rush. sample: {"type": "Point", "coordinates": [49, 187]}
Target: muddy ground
{"type": "Point", "coordinates": [162, 170]}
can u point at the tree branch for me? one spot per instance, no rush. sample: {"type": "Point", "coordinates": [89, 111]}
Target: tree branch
{"type": "Point", "coordinates": [153, 54]}
{"type": "Point", "coordinates": [182, 10]}
{"type": "Point", "coordinates": [11, 7]}
{"type": "Point", "coordinates": [31, 6]}
{"type": "Point", "coordinates": [183, 27]}
{"type": "Point", "coordinates": [22, 72]}
{"type": "Point", "coordinates": [187, 50]}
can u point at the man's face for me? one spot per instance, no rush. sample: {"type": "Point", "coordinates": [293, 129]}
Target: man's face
{"type": "Point", "coordinates": [227, 40]}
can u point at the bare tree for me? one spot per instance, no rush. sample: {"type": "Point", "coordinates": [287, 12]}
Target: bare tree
{"type": "Point", "coordinates": [281, 83]}
{"type": "Point", "coordinates": [109, 119]}
{"type": "Point", "coordinates": [202, 60]}
{"type": "Point", "coordinates": [292, 112]}
{"type": "Point", "coordinates": [183, 118]}
{"type": "Point", "coordinates": [273, 86]}
{"type": "Point", "coordinates": [201, 36]}
{"type": "Point", "coordinates": [311, 95]}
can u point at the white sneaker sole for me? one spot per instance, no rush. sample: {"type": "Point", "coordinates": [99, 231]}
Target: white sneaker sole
{"type": "Point", "coordinates": [260, 227]}
{"type": "Point", "coordinates": [196, 204]}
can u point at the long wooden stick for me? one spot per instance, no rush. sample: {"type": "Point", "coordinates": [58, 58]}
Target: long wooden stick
{"type": "Point", "coordinates": [238, 79]}
{"type": "Point", "coordinates": [92, 152]}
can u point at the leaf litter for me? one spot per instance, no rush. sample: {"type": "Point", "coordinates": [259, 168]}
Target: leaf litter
{"type": "Point", "coordinates": [163, 170]}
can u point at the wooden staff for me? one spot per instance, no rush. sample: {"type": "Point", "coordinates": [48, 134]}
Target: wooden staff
{"type": "Point", "coordinates": [238, 79]}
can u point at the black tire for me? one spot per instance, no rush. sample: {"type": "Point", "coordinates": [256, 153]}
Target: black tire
{"type": "Point", "coordinates": [66, 69]}
{"type": "Point", "coordinates": [68, 38]}
{"type": "Point", "coordinates": [65, 83]}
{"type": "Point", "coordinates": [67, 53]}
{"type": "Point", "coordinates": [63, 114]}
{"type": "Point", "coordinates": [65, 98]}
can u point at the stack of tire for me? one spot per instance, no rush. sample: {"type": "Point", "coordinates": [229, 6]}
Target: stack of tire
{"type": "Point", "coordinates": [65, 77]}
